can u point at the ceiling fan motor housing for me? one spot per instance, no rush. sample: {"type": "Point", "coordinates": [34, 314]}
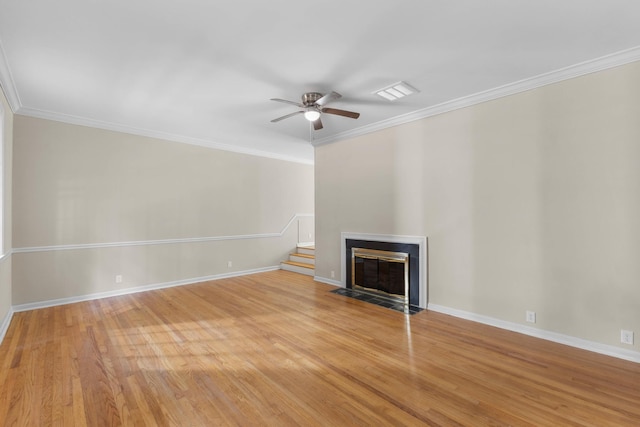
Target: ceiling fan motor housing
{"type": "Point", "coordinates": [310, 98]}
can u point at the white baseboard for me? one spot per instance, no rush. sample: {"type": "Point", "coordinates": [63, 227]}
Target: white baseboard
{"type": "Point", "coordinates": [593, 346]}
{"type": "Point", "coordinates": [328, 281]}
{"type": "Point", "coordinates": [99, 295]}
{"type": "Point", "coordinates": [4, 326]}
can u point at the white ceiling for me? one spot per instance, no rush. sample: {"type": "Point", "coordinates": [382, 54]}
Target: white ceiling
{"type": "Point", "coordinates": [203, 71]}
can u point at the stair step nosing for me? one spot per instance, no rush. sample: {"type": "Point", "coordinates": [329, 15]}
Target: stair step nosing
{"type": "Point", "coordinates": [299, 264]}
{"type": "Point", "coordinates": [303, 255]}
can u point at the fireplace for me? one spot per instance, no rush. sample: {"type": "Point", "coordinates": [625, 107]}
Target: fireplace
{"type": "Point", "coordinates": [387, 264]}
{"type": "Point", "coordinates": [381, 271]}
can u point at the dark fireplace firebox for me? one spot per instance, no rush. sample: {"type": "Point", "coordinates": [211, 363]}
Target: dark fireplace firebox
{"type": "Point", "coordinates": [384, 267]}
{"type": "Point", "coordinates": [383, 271]}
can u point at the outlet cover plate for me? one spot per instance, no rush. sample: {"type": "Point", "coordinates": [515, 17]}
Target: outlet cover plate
{"type": "Point", "coordinates": [626, 337]}
{"type": "Point", "coordinates": [530, 316]}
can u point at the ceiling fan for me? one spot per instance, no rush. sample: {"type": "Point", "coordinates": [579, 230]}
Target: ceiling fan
{"type": "Point", "coordinates": [313, 105]}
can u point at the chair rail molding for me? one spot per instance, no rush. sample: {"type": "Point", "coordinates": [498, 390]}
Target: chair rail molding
{"type": "Point", "coordinates": [162, 241]}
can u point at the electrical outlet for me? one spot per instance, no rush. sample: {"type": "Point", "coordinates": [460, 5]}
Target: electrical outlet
{"type": "Point", "coordinates": [119, 278]}
{"type": "Point", "coordinates": [229, 264]}
{"type": "Point", "coordinates": [333, 274]}
{"type": "Point", "coordinates": [626, 337]}
{"type": "Point", "coordinates": [531, 316]}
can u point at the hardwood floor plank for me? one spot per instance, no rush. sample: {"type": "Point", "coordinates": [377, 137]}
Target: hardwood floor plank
{"type": "Point", "coordinates": [279, 349]}
{"type": "Point", "coordinates": [79, 415]}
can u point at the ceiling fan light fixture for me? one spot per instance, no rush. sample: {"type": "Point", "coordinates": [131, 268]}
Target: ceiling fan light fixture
{"type": "Point", "coordinates": [312, 115]}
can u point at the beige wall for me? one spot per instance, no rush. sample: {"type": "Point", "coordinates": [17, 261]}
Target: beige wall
{"type": "Point", "coordinates": [77, 185]}
{"type": "Point", "coordinates": [5, 262]}
{"type": "Point", "coordinates": [530, 202]}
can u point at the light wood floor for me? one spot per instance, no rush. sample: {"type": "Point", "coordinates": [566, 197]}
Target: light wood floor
{"type": "Point", "coordinates": [280, 349]}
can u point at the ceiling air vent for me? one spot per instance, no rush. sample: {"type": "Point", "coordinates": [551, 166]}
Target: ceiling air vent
{"type": "Point", "coordinates": [396, 91]}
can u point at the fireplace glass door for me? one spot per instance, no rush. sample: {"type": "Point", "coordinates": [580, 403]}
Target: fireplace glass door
{"type": "Point", "coordinates": [381, 271]}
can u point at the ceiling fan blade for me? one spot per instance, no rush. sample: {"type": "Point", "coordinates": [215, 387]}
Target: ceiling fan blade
{"type": "Point", "coordinates": [287, 116]}
{"type": "Point", "coordinates": [328, 98]}
{"type": "Point", "coordinates": [317, 125]}
{"type": "Point", "coordinates": [288, 102]}
{"type": "Point", "coordinates": [343, 113]}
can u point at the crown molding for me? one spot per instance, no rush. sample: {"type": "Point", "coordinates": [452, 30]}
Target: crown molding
{"type": "Point", "coordinates": [99, 124]}
{"type": "Point", "coordinates": [599, 64]}
{"type": "Point", "coordinates": [570, 72]}
{"type": "Point", "coordinates": [6, 82]}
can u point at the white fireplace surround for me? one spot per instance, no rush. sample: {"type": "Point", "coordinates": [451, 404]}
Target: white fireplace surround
{"type": "Point", "coordinates": [415, 240]}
